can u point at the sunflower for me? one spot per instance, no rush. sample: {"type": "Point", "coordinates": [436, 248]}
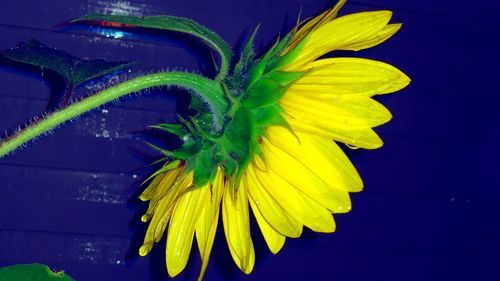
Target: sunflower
{"type": "Point", "coordinates": [277, 154]}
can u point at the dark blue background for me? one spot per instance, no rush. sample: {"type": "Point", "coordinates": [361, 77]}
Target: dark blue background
{"type": "Point", "coordinates": [430, 207]}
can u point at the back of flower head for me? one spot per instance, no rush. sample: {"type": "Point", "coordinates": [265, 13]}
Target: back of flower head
{"type": "Point", "coordinates": [275, 155]}
{"type": "Point", "coordinates": [260, 137]}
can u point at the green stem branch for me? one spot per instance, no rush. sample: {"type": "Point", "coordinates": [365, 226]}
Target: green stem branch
{"type": "Point", "coordinates": [209, 90]}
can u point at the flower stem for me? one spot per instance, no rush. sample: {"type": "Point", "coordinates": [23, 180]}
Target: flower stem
{"type": "Point", "coordinates": [209, 90]}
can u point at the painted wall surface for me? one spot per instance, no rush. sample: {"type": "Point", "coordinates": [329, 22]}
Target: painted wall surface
{"type": "Point", "coordinates": [430, 207]}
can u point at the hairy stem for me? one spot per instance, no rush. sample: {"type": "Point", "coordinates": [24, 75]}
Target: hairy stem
{"type": "Point", "coordinates": [209, 90]}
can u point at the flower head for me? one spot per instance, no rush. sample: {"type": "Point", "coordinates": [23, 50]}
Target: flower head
{"type": "Point", "coordinates": [276, 155]}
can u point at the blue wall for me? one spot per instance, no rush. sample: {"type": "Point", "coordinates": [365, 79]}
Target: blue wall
{"type": "Point", "coordinates": [429, 210]}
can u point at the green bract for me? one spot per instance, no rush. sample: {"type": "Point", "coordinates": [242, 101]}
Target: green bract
{"type": "Point", "coordinates": [252, 95]}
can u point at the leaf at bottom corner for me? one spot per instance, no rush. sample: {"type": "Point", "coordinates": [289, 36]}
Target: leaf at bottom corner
{"type": "Point", "coordinates": [32, 272]}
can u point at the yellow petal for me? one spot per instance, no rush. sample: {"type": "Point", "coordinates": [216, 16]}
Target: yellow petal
{"type": "Point", "coordinates": [383, 35]}
{"type": "Point", "coordinates": [181, 229]}
{"type": "Point", "coordinates": [314, 23]}
{"type": "Point", "coordinates": [340, 34]}
{"type": "Point", "coordinates": [237, 226]}
{"type": "Point", "coordinates": [344, 112]}
{"type": "Point", "coordinates": [305, 210]}
{"type": "Point", "coordinates": [162, 214]}
{"type": "Point", "coordinates": [274, 240]}
{"type": "Point", "coordinates": [158, 193]}
{"type": "Point", "coordinates": [321, 156]}
{"type": "Point", "coordinates": [206, 226]}
{"type": "Point", "coordinates": [149, 192]}
{"type": "Point", "coordinates": [273, 213]}
{"type": "Point", "coordinates": [324, 125]}
{"type": "Point", "coordinates": [290, 169]}
{"type": "Point", "coordinates": [336, 77]}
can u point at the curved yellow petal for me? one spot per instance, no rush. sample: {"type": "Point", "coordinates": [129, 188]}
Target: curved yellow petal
{"type": "Point", "coordinates": [337, 77]}
{"type": "Point", "coordinates": [305, 210]}
{"type": "Point", "coordinates": [235, 217]}
{"type": "Point", "coordinates": [149, 192]}
{"type": "Point", "coordinates": [322, 156]}
{"type": "Point", "coordinates": [181, 229]}
{"type": "Point", "coordinates": [273, 213]}
{"type": "Point", "coordinates": [274, 240]}
{"type": "Point", "coordinates": [314, 23]}
{"type": "Point", "coordinates": [206, 226]}
{"type": "Point", "coordinates": [162, 213]}
{"type": "Point", "coordinates": [290, 169]}
{"type": "Point", "coordinates": [340, 34]}
{"type": "Point", "coordinates": [157, 193]}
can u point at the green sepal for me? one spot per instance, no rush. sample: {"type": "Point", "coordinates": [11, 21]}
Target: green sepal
{"type": "Point", "coordinates": [190, 147]}
{"type": "Point", "coordinates": [161, 160]}
{"type": "Point", "coordinates": [176, 129]}
{"type": "Point", "coordinates": [211, 99]}
{"type": "Point", "coordinates": [215, 103]}
{"type": "Point", "coordinates": [239, 140]}
{"type": "Point", "coordinates": [284, 78]}
{"type": "Point", "coordinates": [261, 67]}
{"type": "Point", "coordinates": [32, 272]}
{"type": "Point", "coordinates": [263, 93]}
{"type": "Point", "coordinates": [204, 124]}
{"type": "Point", "coordinates": [241, 67]}
{"type": "Point", "coordinates": [278, 47]}
{"type": "Point", "coordinates": [182, 153]}
{"type": "Point", "coordinates": [167, 167]}
{"type": "Point", "coordinates": [282, 61]}
{"type": "Point", "coordinates": [256, 74]}
{"type": "Point", "coordinates": [203, 166]}
{"type": "Point", "coordinates": [270, 116]}
{"type": "Point", "coordinates": [229, 164]}
{"type": "Point", "coordinates": [177, 24]}
{"type": "Point", "coordinates": [72, 69]}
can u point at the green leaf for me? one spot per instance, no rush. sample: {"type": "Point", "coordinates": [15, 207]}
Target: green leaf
{"type": "Point", "coordinates": [73, 69]}
{"type": "Point", "coordinates": [177, 24]}
{"type": "Point", "coordinates": [32, 272]}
